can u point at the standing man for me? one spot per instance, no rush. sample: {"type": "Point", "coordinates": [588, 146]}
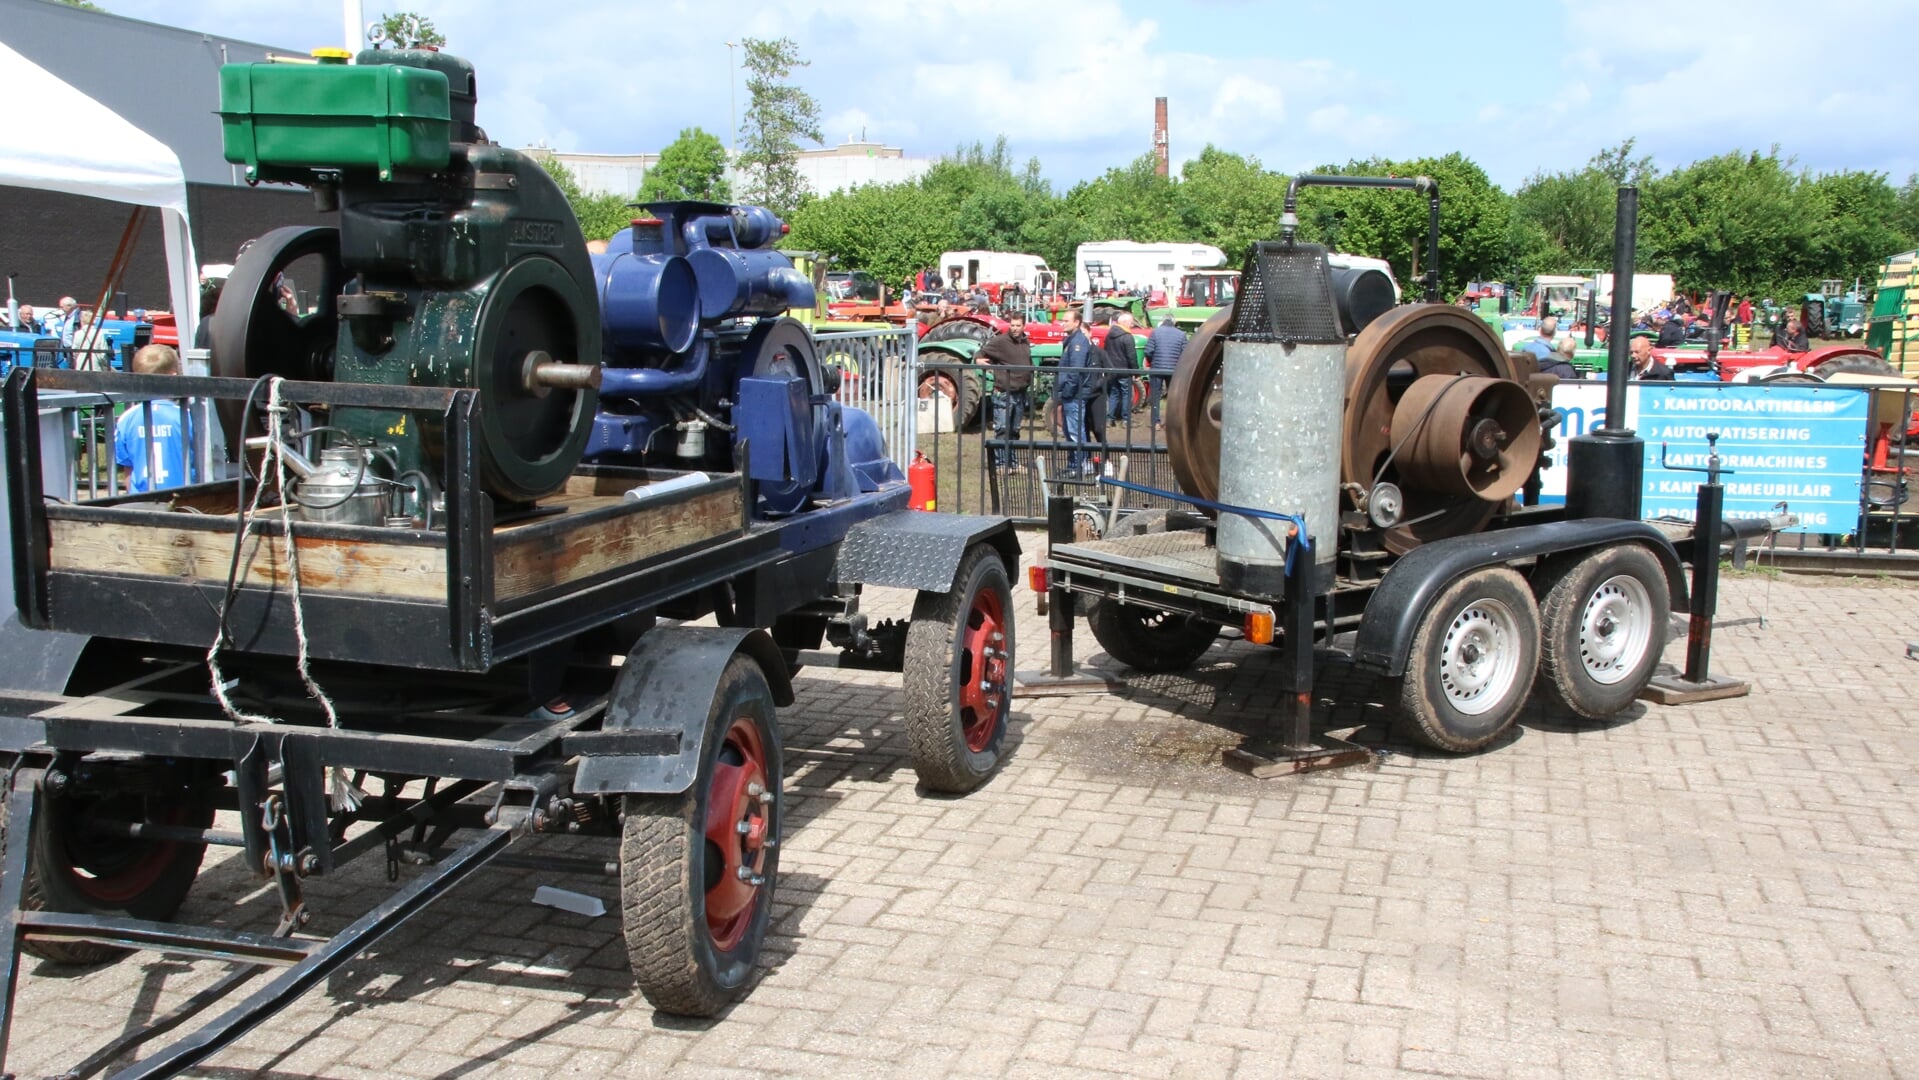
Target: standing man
{"type": "Point", "coordinates": [1644, 367]}
{"type": "Point", "coordinates": [1543, 346]}
{"type": "Point", "coordinates": [1012, 357]}
{"type": "Point", "coordinates": [1122, 356]}
{"type": "Point", "coordinates": [1164, 346]}
{"type": "Point", "coordinates": [150, 440]}
{"type": "Point", "coordinates": [65, 323]}
{"type": "Point", "coordinates": [1079, 383]}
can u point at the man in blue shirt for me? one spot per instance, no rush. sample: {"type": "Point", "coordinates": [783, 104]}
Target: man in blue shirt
{"type": "Point", "coordinates": [1544, 345]}
{"type": "Point", "coordinates": [150, 439]}
{"type": "Point", "coordinates": [1080, 380]}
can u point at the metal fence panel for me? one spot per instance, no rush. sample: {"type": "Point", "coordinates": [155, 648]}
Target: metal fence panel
{"type": "Point", "coordinates": [877, 375]}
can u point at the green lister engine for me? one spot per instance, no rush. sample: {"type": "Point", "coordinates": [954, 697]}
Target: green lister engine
{"type": "Point", "coordinates": [457, 263]}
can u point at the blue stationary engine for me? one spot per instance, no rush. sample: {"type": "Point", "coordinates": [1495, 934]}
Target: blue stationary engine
{"type": "Point", "coordinates": [702, 370]}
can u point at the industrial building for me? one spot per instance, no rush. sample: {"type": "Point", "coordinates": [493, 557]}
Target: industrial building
{"type": "Point", "coordinates": [826, 169]}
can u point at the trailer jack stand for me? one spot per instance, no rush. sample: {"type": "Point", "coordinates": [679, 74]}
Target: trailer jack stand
{"type": "Point", "coordinates": [1697, 683]}
{"type": "Point", "coordinates": [1296, 750]}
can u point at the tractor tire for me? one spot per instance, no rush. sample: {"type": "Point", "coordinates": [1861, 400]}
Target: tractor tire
{"type": "Point", "coordinates": [73, 872]}
{"type": "Point", "coordinates": [698, 870]}
{"type": "Point", "coordinates": [958, 676]}
{"type": "Point", "coordinates": [1148, 639]}
{"type": "Point", "coordinates": [1856, 364]}
{"type": "Point", "coordinates": [964, 391]}
{"type": "Point", "coordinates": [1603, 624]}
{"type": "Point", "coordinates": [1472, 663]}
{"type": "Point", "coordinates": [970, 393]}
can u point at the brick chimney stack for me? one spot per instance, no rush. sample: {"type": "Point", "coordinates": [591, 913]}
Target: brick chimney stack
{"type": "Point", "coordinates": [1159, 135]}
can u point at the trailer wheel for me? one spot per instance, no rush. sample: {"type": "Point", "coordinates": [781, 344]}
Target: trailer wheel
{"type": "Point", "coordinates": [74, 870]}
{"type": "Point", "coordinates": [1148, 639]}
{"type": "Point", "coordinates": [697, 871]}
{"type": "Point", "coordinates": [959, 674]}
{"type": "Point", "coordinates": [1472, 661]}
{"type": "Point", "coordinates": [1604, 622]}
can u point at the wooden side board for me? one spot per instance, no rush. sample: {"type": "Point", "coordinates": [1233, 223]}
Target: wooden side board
{"type": "Point", "coordinates": [597, 532]}
{"type": "Point", "coordinates": [412, 572]}
{"type": "Point", "coordinates": [527, 561]}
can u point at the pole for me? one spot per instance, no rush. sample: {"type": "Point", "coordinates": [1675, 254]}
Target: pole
{"type": "Point", "coordinates": [1619, 339]}
{"type": "Point", "coordinates": [1705, 567]}
{"type": "Point", "coordinates": [1605, 468]}
{"type": "Point", "coordinates": [732, 101]}
{"type": "Point", "coordinates": [354, 24]}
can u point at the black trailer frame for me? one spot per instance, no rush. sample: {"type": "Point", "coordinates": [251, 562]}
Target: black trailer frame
{"type": "Point", "coordinates": [465, 755]}
{"type": "Point", "coordinates": [1385, 610]}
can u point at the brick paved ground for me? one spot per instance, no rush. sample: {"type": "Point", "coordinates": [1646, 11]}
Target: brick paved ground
{"type": "Point", "coordinates": [1722, 890]}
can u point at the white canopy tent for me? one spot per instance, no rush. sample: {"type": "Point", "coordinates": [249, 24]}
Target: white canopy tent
{"type": "Point", "coordinates": [102, 155]}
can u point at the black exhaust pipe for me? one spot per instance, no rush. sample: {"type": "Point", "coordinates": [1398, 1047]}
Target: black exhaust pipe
{"type": "Point", "coordinates": [1605, 470]}
{"type": "Point", "coordinates": [1289, 218]}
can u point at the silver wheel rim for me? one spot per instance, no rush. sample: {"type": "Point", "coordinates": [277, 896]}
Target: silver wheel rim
{"type": "Point", "coordinates": [1615, 630]}
{"type": "Point", "coordinates": [1479, 659]}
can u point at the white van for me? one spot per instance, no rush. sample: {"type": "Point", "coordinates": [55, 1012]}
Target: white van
{"type": "Point", "coordinates": [964, 269]}
{"type": "Point", "coordinates": [1122, 264]}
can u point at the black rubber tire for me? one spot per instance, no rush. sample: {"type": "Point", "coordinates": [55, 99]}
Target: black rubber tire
{"type": "Point", "coordinates": [1148, 639]}
{"type": "Point", "coordinates": [939, 667]}
{"type": "Point", "coordinates": [53, 883]}
{"type": "Point", "coordinates": [1425, 708]}
{"type": "Point", "coordinates": [1566, 589]}
{"type": "Point", "coordinates": [969, 410]}
{"type": "Point", "coordinates": [1856, 364]}
{"type": "Point", "coordinates": [664, 867]}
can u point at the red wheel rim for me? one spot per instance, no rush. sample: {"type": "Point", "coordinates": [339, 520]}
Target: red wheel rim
{"type": "Point", "coordinates": [942, 384]}
{"type": "Point", "coordinates": [113, 872]}
{"type": "Point", "coordinates": [738, 827]}
{"type": "Point", "coordinates": [983, 670]}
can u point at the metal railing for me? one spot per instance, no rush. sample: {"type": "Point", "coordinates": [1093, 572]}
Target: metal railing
{"type": "Point", "coordinates": [96, 446]}
{"type": "Point", "coordinates": [1003, 454]}
{"type": "Point", "coordinates": [876, 369]}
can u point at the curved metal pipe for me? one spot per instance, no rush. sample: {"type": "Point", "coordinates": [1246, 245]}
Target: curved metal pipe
{"type": "Point", "coordinates": [1289, 216]}
{"type": "Point", "coordinates": [622, 382]}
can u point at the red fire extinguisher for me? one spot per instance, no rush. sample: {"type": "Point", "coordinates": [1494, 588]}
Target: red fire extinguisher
{"type": "Point", "coordinates": [922, 478]}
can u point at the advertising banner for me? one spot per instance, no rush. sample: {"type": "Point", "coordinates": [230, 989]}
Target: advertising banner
{"type": "Point", "coordinates": [1802, 445]}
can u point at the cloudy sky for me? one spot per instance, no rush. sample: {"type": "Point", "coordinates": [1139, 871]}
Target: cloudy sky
{"type": "Point", "coordinates": [1294, 83]}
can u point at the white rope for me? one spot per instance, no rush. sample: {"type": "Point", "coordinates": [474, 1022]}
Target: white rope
{"type": "Point", "coordinates": [344, 795]}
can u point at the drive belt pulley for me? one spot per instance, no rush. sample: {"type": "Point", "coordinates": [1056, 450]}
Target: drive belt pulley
{"type": "Point", "coordinates": [1392, 353]}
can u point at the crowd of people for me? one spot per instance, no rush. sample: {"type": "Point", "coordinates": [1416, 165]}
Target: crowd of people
{"type": "Point", "coordinates": [1094, 388]}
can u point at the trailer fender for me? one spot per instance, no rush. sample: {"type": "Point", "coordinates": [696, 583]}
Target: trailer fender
{"type": "Point", "coordinates": [1407, 592]}
{"type": "Point", "coordinates": [649, 741]}
{"type": "Point", "coordinates": [915, 549]}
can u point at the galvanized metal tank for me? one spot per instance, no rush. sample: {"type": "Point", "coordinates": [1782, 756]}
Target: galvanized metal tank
{"type": "Point", "coordinates": [1283, 377]}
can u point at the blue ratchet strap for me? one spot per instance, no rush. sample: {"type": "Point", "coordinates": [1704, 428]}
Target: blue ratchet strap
{"type": "Point", "coordinates": [1301, 540]}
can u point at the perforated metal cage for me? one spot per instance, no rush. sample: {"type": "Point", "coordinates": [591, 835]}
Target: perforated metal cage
{"type": "Point", "coordinates": [1286, 295]}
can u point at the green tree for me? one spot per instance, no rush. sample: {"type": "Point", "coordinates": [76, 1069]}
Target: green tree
{"type": "Point", "coordinates": [83, 5]}
{"type": "Point", "coordinates": [692, 166]}
{"type": "Point", "coordinates": [889, 229]}
{"type": "Point", "coordinates": [1739, 221]}
{"type": "Point", "coordinates": [778, 115]}
{"type": "Point", "coordinates": [1858, 226]}
{"type": "Point", "coordinates": [1230, 202]}
{"type": "Point", "coordinates": [410, 30]}
{"type": "Point", "coordinates": [600, 216]}
{"type": "Point", "coordinates": [1129, 203]}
